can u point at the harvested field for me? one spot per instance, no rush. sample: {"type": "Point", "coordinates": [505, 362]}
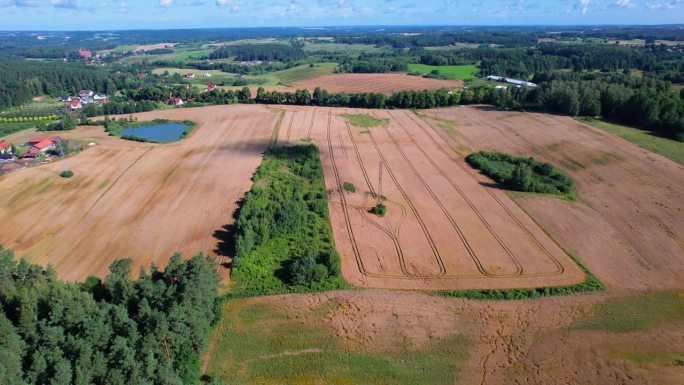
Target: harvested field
{"type": "Point", "coordinates": [444, 228]}
{"type": "Point", "coordinates": [381, 83]}
{"type": "Point", "coordinates": [629, 223]}
{"type": "Point", "coordinates": [136, 200]}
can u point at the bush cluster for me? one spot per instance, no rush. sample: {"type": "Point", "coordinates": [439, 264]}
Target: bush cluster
{"type": "Point", "coordinates": [522, 174]}
{"type": "Point", "coordinates": [283, 239]}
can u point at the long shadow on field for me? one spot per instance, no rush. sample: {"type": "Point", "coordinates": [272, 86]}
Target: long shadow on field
{"type": "Point", "coordinates": [226, 236]}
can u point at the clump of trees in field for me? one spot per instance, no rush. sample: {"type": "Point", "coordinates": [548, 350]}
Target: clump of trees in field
{"type": "Point", "coordinates": [283, 238]}
{"type": "Point", "coordinates": [116, 332]}
{"type": "Point", "coordinates": [522, 174]}
{"type": "Point", "coordinates": [261, 52]}
{"type": "Point", "coordinates": [380, 210]}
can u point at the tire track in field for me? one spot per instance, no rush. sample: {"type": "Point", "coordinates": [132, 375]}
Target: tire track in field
{"type": "Point", "coordinates": [438, 257]}
{"type": "Point", "coordinates": [560, 269]}
{"type": "Point", "coordinates": [480, 267]}
{"type": "Point", "coordinates": [313, 117]}
{"type": "Point", "coordinates": [289, 127]}
{"type": "Point", "coordinates": [393, 236]}
{"type": "Point", "coordinates": [114, 182]}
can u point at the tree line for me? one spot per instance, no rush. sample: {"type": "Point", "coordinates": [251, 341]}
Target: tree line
{"type": "Point", "coordinates": [119, 331]}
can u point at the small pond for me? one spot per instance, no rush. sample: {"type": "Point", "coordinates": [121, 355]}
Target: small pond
{"type": "Point", "coordinates": [162, 133]}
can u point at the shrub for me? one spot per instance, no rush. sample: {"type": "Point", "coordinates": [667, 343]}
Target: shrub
{"type": "Point", "coordinates": [66, 174]}
{"type": "Point", "coordinates": [349, 187]}
{"type": "Point", "coordinates": [379, 210]}
{"type": "Point", "coordinates": [522, 174]}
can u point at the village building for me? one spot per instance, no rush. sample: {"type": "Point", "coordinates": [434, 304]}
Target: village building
{"type": "Point", "coordinates": [211, 87]}
{"type": "Point", "coordinates": [176, 102]}
{"type": "Point", "coordinates": [85, 53]}
{"type": "Point", "coordinates": [5, 148]}
{"type": "Point", "coordinates": [85, 93]}
{"type": "Point", "coordinates": [75, 104]}
{"type": "Point", "coordinates": [190, 75]}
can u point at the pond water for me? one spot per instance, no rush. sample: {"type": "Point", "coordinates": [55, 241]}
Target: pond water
{"type": "Point", "coordinates": [163, 133]}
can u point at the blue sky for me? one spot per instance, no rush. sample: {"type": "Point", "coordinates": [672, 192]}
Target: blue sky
{"type": "Point", "coordinates": [155, 14]}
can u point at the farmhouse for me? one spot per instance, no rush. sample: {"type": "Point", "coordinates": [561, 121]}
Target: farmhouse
{"type": "Point", "coordinates": [190, 75]}
{"type": "Point", "coordinates": [176, 102]}
{"type": "Point", "coordinates": [75, 104]}
{"type": "Point", "coordinates": [207, 75]}
{"type": "Point", "coordinates": [99, 97]}
{"type": "Point", "coordinates": [211, 87]}
{"type": "Point", "coordinates": [140, 76]}
{"type": "Point", "coordinates": [40, 145]}
{"type": "Point", "coordinates": [85, 53]}
{"type": "Point", "coordinates": [65, 99]}
{"type": "Point", "coordinates": [5, 148]}
{"type": "Point", "coordinates": [85, 93]}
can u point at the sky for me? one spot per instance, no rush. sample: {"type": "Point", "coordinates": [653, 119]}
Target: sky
{"type": "Point", "coordinates": [169, 14]}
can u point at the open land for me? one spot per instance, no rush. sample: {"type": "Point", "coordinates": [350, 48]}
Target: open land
{"type": "Point", "coordinates": [381, 83]}
{"type": "Point", "coordinates": [628, 224]}
{"type": "Point", "coordinates": [445, 228]}
{"type": "Point", "coordinates": [136, 200]}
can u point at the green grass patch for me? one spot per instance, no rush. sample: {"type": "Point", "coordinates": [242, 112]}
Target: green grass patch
{"type": "Point", "coordinates": [344, 48]}
{"type": "Point", "coordinates": [283, 238]}
{"type": "Point", "coordinates": [668, 148]}
{"type": "Point", "coordinates": [349, 187]}
{"type": "Point", "coordinates": [291, 75]}
{"type": "Point", "coordinates": [464, 72]}
{"type": "Point", "coordinates": [261, 344]}
{"type": "Point", "coordinates": [14, 127]}
{"type": "Point", "coordinates": [523, 174]}
{"type": "Point", "coordinates": [363, 120]}
{"type": "Point", "coordinates": [636, 313]}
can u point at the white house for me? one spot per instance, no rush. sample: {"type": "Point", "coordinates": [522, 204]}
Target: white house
{"type": "Point", "coordinates": [5, 148]}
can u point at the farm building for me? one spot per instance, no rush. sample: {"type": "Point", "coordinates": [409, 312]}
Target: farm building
{"type": "Point", "coordinates": [5, 148]}
{"type": "Point", "coordinates": [65, 99]}
{"type": "Point", "coordinates": [207, 75]}
{"type": "Point", "coordinates": [75, 104]}
{"type": "Point", "coordinates": [40, 145]}
{"type": "Point", "coordinates": [211, 87]}
{"type": "Point", "coordinates": [190, 75]}
{"type": "Point", "coordinates": [515, 82]}
{"type": "Point", "coordinates": [85, 93]}
{"type": "Point", "coordinates": [85, 53]}
{"type": "Point", "coordinates": [176, 102]}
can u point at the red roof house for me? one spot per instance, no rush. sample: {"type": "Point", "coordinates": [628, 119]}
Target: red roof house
{"type": "Point", "coordinates": [37, 139]}
{"type": "Point", "coordinates": [74, 105]}
{"type": "Point", "coordinates": [190, 75]}
{"type": "Point", "coordinates": [85, 53]}
{"type": "Point", "coordinates": [140, 75]}
{"type": "Point", "coordinates": [176, 101]}
{"type": "Point", "coordinates": [5, 147]}
{"type": "Point", "coordinates": [211, 87]}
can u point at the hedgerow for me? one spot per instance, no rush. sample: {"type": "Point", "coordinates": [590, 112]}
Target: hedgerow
{"type": "Point", "coordinates": [283, 238]}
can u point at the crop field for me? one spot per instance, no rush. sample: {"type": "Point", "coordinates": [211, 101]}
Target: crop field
{"type": "Point", "coordinates": [444, 228]}
{"type": "Point", "coordinates": [463, 72]}
{"type": "Point", "coordinates": [382, 83]}
{"type": "Point", "coordinates": [627, 225]}
{"type": "Point", "coordinates": [129, 199]}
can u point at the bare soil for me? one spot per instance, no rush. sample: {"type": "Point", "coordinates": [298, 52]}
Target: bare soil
{"type": "Point", "coordinates": [136, 200]}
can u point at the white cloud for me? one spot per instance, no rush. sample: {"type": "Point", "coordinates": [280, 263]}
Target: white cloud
{"type": "Point", "coordinates": [584, 5]}
{"type": "Point", "coordinates": [122, 7]}
{"type": "Point", "coordinates": [663, 6]}
{"type": "Point", "coordinates": [624, 3]}
{"type": "Point", "coordinates": [69, 4]}
{"type": "Point", "coordinates": [165, 3]}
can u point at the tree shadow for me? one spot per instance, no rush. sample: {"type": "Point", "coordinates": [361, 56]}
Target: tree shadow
{"type": "Point", "coordinates": [226, 236]}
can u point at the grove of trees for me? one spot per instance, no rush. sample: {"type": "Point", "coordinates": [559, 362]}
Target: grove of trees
{"type": "Point", "coordinates": [120, 331]}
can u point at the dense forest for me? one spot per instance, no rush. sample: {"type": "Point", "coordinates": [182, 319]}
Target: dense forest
{"type": "Point", "coordinates": [119, 331]}
{"type": "Point", "coordinates": [262, 52]}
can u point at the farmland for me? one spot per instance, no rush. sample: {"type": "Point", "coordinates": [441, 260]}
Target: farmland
{"type": "Point", "coordinates": [123, 190]}
{"type": "Point", "coordinates": [425, 188]}
{"type": "Point", "coordinates": [381, 83]}
{"type": "Point", "coordinates": [464, 72]}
